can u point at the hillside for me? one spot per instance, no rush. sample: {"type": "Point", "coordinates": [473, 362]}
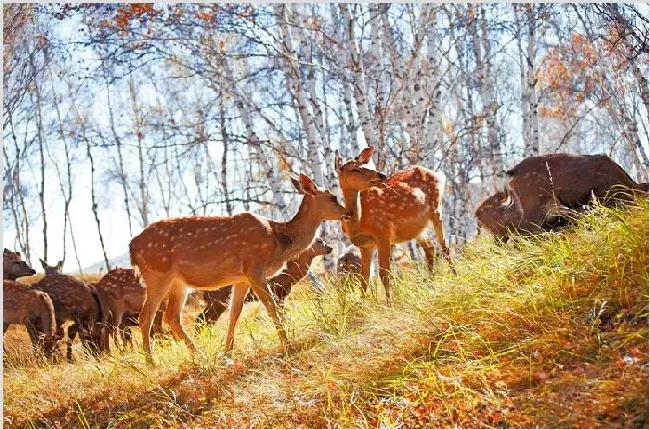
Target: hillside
{"type": "Point", "coordinates": [548, 332]}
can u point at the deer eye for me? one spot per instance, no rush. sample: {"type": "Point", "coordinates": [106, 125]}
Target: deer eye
{"type": "Point", "coordinates": [355, 170]}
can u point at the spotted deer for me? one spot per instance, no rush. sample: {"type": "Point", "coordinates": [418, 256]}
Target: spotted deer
{"type": "Point", "coordinates": [208, 253]}
{"type": "Point", "coordinates": [14, 267]}
{"type": "Point", "coordinates": [390, 210]}
{"type": "Point", "coordinates": [30, 307]}
{"type": "Point", "coordinates": [123, 296]}
{"type": "Point", "coordinates": [295, 270]}
{"type": "Point", "coordinates": [76, 302]}
{"type": "Point", "coordinates": [350, 262]}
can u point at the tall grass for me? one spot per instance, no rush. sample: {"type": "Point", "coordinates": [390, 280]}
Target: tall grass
{"type": "Point", "coordinates": [550, 331]}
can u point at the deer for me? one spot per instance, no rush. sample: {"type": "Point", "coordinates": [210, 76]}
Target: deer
{"type": "Point", "coordinates": [123, 295]}
{"type": "Point", "coordinates": [281, 284]}
{"type": "Point", "coordinates": [349, 263]}
{"type": "Point", "coordinates": [29, 307]}
{"type": "Point", "coordinates": [387, 210]}
{"type": "Point", "coordinates": [73, 301]}
{"type": "Point", "coordinates": [211, 252]}
{"type": "Point", "coordinates": [14, 267]}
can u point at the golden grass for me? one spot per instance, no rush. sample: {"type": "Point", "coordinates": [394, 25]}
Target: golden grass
{"type": "Point", "coordinates": [549, 332]}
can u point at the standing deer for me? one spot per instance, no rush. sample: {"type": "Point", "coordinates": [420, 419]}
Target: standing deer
{"type": "Point", "coordinates": [296, 269]}
{"type": "Point", "coordinates": [77, 302]}
{"type": "Point", "coordinates": [31, 307]}
{"type": "Point", "coordinates": [390, 210]}
{"type": "Point", "coordinates": [14, 267]}
{"type": "Point", "coordinates": [212, 252]}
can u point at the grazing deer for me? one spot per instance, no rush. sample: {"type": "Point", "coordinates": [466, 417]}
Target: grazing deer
{"type": "Point", "coordinates": [390, 210]}
{"type": "Point", "coordinates": [77, 302]}
{"type": "Point", "coordinates": [295, 270]}
{"type": "Point", "coordinates": [33, 308]}
{"type": "Point", "coordinates": [14, 267]}
{"type": "Point", "coordinates": [123, 296]}
{"type": "Point", "coordinates": [350, 262]}
{"type": "Point", "coordinates": [212, 252]}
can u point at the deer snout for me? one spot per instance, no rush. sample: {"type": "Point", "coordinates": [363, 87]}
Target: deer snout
{"type": "Point", "coordinates": [382, 178]}
{"type": "Point", "coordinates": [347, 216]}
{"type": "Point", "coordinates": [32, 271]}
{"type": "Point", "coordinates": [328, 249]}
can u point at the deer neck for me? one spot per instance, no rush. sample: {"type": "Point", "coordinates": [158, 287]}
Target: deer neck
{"type": "Point", "coordinates": [296, 234]}
{"type": "Point", "coordinates": [353, 204]}
{"type": "Point", "coordinates": [299, 266]}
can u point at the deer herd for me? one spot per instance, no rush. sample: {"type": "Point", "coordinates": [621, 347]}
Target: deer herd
{"type": "Point", "coordinates": [224, 257]}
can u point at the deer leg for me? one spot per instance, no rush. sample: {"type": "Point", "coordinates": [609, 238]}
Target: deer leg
{"type": "Point", "coordinates": [436, 219]}
{"type": "Point", "coordinates": [158, 319]}
{"type": "Point", "coordinates": [116, 327]}
{"type": "Point", "coordinates": [261, 289]}
{"type": "Point", "coordinates": [383, 250]}
{"type": "Point", "coordinates": [177, 297]}
{"type": "Point", "coordinates": [157, 288]}
{"type": "Point", "coordinates": [366, 261]}
{"type": "Point", "coordinates": [427, 246]}
{"type": "Point", "coordinates": [236, 305]}
{"type": "Point", "coordinates": [72, 334]}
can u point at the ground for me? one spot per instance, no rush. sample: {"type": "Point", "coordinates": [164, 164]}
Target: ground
{"type": "Point", "coordinates": [545, 332]}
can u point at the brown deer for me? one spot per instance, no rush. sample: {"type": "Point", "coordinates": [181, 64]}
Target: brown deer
{"type": "Point", "coordinates": [123, 296]}
{"type": "Point", "coordinates": [13, 266]}
{"type": "Point", "coordinates": [212, 252]}
{"type": "Point", "coordinates": [350, 262]}
{"type": "Point", "coordinates": [295, 270]}
{"type": "Point", "coordinates": [31, 307]}
{"type": "Point", "coordinates": [390, 210]}
{"type": "Point", "coordinates": [77, 302]}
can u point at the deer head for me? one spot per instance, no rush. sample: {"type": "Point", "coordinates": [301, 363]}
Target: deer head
{"type": "Point", "coordinates": [319, 247]}
{"type": "Point", "coordinates": [326, 202]}
{"type": "Point", "coordinates": [354, 175]}
{"type": "Point", "coordinates": [13, 266]}
{"type": "Point", "coordinates": [52, 270]}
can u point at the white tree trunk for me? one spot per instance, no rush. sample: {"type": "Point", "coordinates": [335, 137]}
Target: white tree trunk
{"type": "Point", "coordinates": [358, 80]}
{"type": "Point", "coordinates": [532, 80]}
{"type": "Point", "coordinates": [254, 144]}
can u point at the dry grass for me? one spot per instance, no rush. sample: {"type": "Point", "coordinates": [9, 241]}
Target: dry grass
{"type": "Point", "coordinates": [550, 332]}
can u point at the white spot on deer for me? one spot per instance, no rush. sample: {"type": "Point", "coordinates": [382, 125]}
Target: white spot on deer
{"type": "Point", "coordinates": [264, 245]}
{"type": "Point", "coordinates": [419, 195]}
{"type": "Point", "coordinates": [149, 245]}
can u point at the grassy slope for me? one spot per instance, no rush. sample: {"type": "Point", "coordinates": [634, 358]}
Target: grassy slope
{"type": "Point", "coordinates": [550, 333]}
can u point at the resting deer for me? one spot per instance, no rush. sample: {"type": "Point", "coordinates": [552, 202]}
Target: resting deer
{"type": "Point", "coordinates": [296, 269]}
{"type": "Point", "coordinates": [14, 267]}
{"type": "Point", "coordinates": [77, 302]}
{"type": "Point", "coordinates": [212, 252]}
{"type": "Point", "coordinates": [31, 307]}
{"type": "Point", "coordinates": [390, 210]}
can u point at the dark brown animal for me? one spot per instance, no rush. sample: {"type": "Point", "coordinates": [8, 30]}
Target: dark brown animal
{"type": "Point", "coordinates": [350, 262]}
{"type": "Point", "coordinates": [390, 210]}
{"type": "Point", "coordinates": [295, 270]}
{"type": "Point", "coordinates": [213, 252]}
{"type": "Point", "coordinates": [77, 302]}
{"type": "Point", "coordinates": [31, 307]}
{"type": "Point", "coordinates": [13, 266]}
{"type": "Point", "coordinates": [542, 190]}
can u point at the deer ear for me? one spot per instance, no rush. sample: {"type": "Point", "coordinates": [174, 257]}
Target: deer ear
{"type": "Point", "coordinates": [338, 162]}
{"type": "Point", "coordinates": [307, 185]}
{"type": "Point", "coordinates": [365, 155]}
{"type": "Point", "coordinates": [296, 184]}
{"type": "Point", "coordinates": [43, 263]}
